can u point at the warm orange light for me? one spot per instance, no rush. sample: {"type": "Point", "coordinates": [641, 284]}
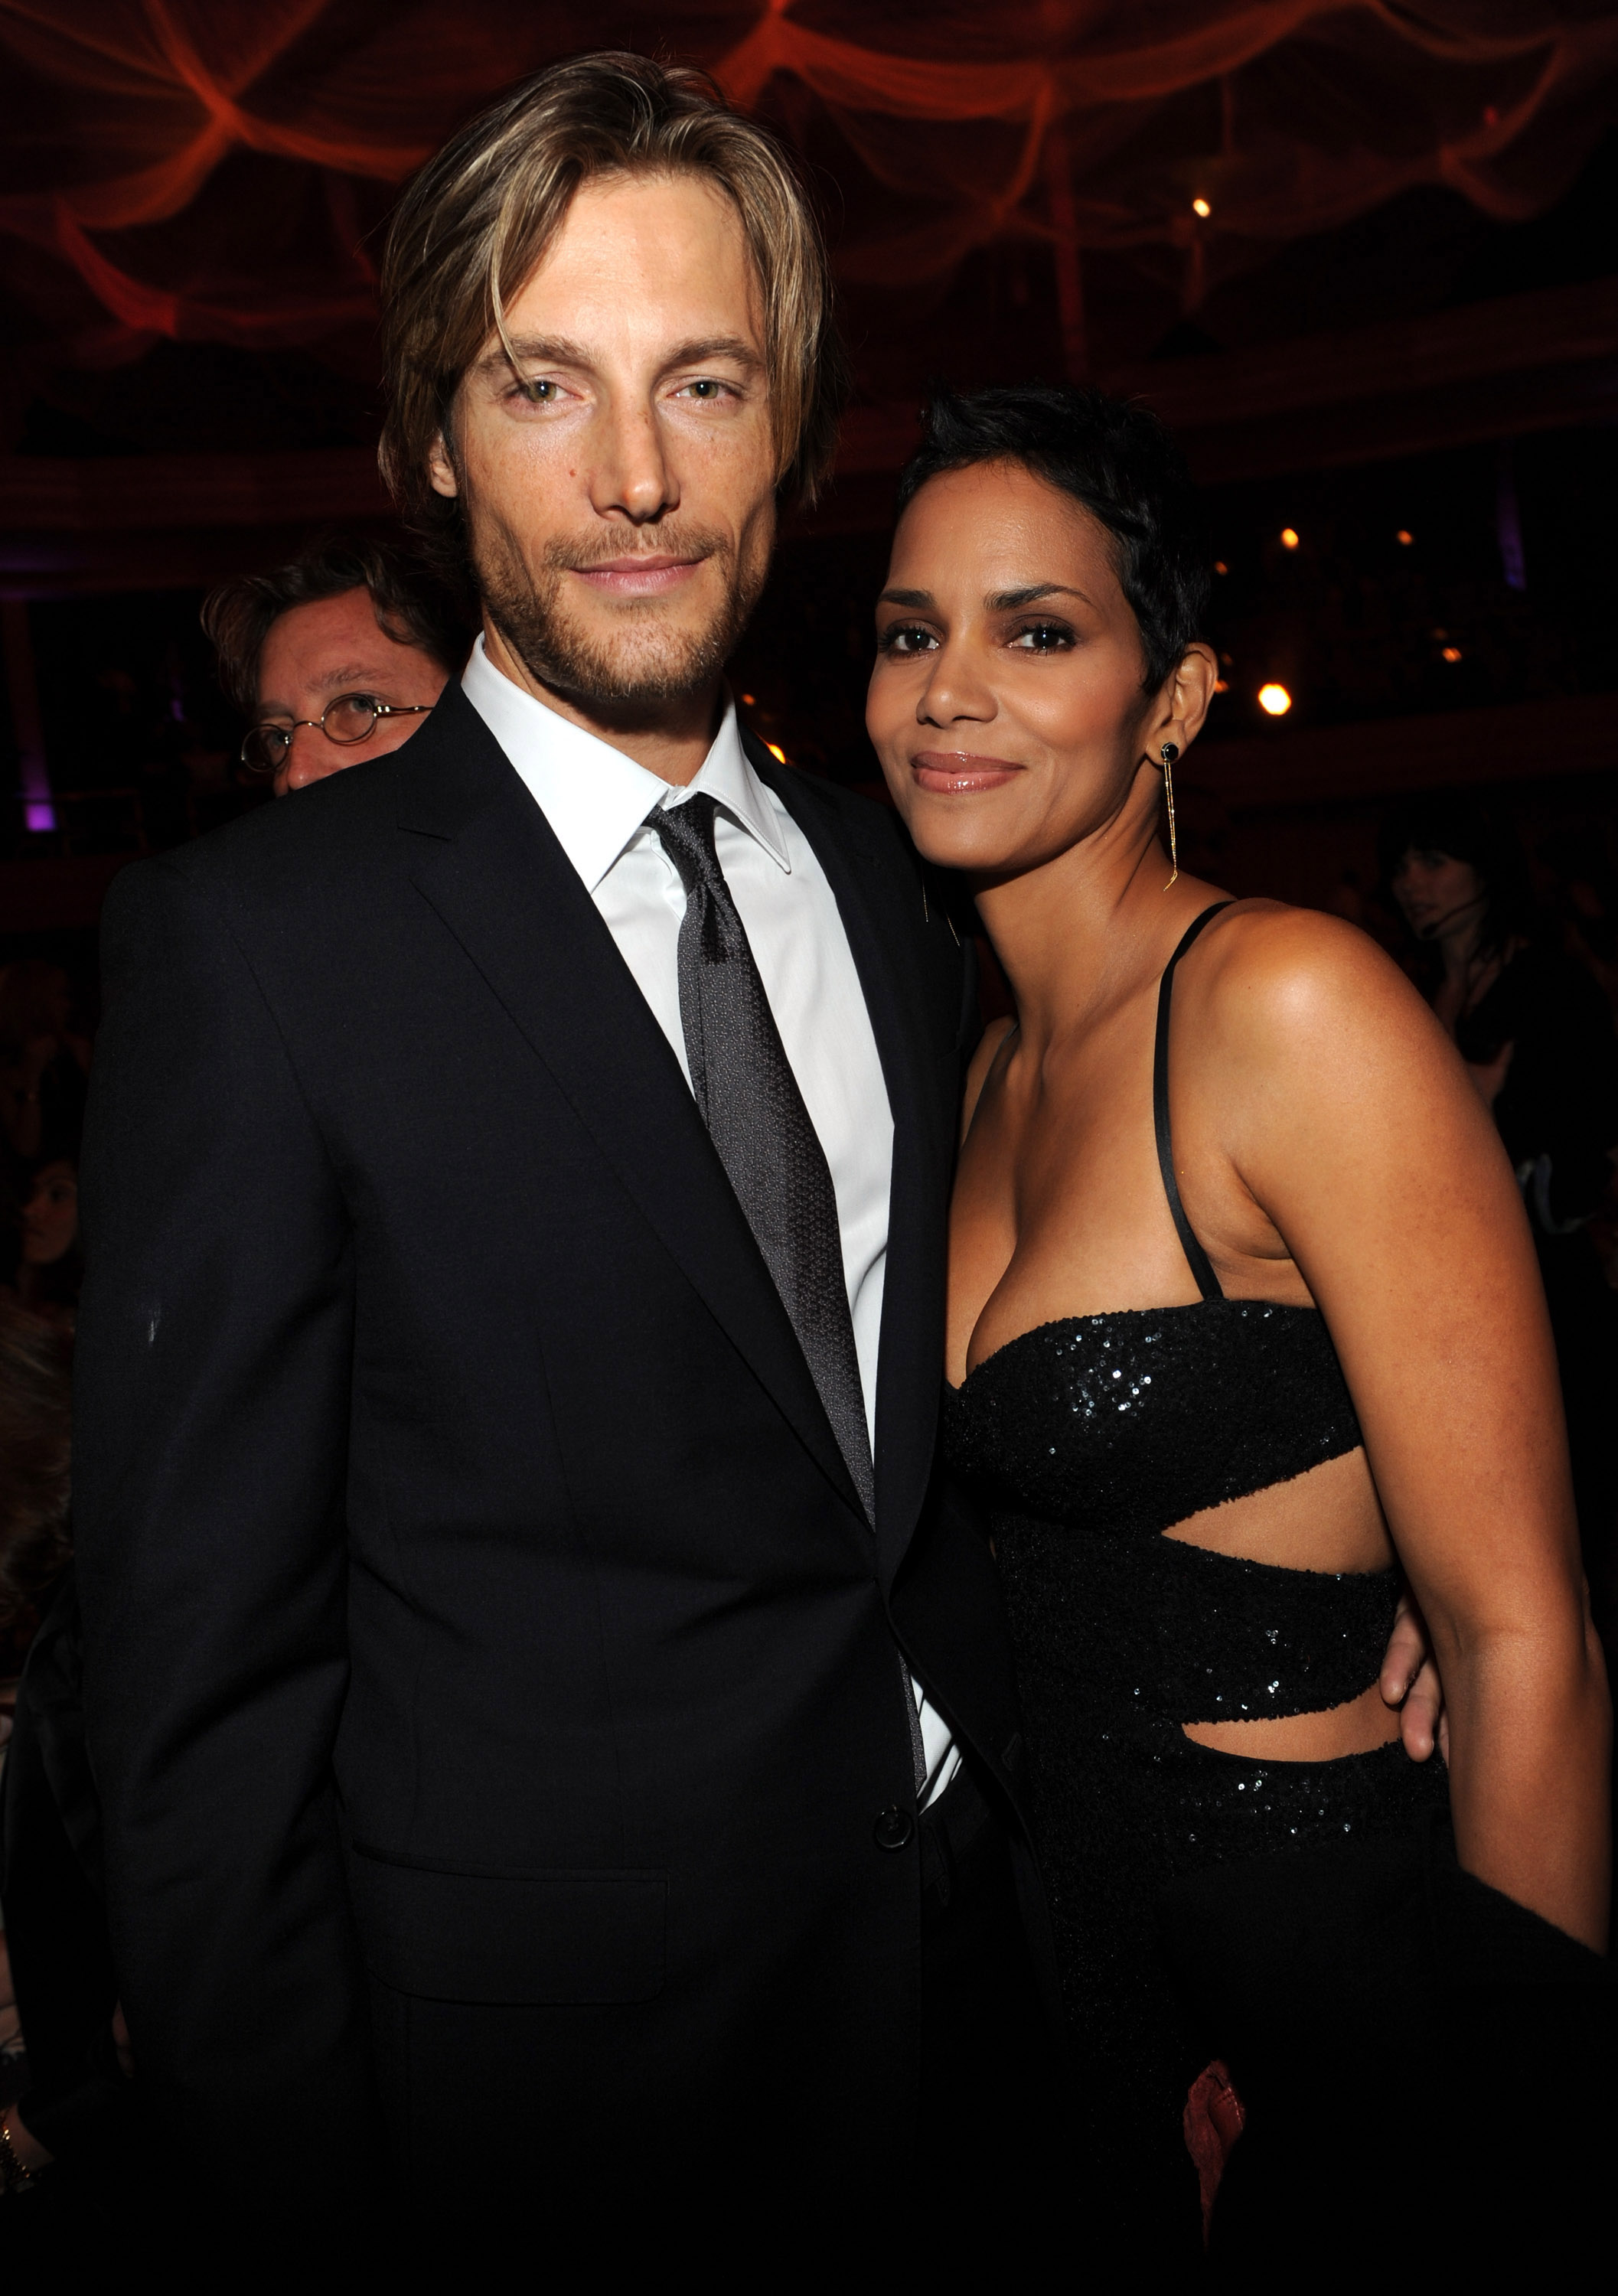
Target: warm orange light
{"type": "Point", "coordinates": [1404, 536]}
{"type": "Point", "coordinates": [1201, 207]}
{"type": "Point", "coordinates": [1274, 700]}
{"type": "Point", "coordinates": [1222, 685]}
{"type": "Point", "coordinates": [1289, 538]}
{"type": "Point", "coordinates": [1452, 654]}
{"type": "Point", "coordinates": [779, 755]}
{"type": "Point", "coordinates": [1220, 566]}
{"type": "Point", "coordinates": [747, 701]}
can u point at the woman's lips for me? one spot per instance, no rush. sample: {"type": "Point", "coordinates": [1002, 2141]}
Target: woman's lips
{"type": "Point", "coordinates": [954, 772]}
{"type": "Point", "coordinates": [637, 577]}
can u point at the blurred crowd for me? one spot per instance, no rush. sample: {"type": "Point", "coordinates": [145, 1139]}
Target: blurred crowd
{"type": "Point", "coordinates": [341, 657]}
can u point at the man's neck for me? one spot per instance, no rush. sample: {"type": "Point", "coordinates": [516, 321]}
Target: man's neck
{"type": "Point", "coordinates": [670, 739]}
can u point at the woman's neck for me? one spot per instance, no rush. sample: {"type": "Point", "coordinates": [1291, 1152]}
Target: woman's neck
{"type": "Point", "coordinates": [1077, 935]}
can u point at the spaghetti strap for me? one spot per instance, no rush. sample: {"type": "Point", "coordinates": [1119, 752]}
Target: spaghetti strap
{"type": "Point", "coordinates": [1207, 1282]}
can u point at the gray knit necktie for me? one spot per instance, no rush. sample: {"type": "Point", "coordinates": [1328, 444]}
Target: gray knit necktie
{"type": "Point", "coordinates": [755, 1115]}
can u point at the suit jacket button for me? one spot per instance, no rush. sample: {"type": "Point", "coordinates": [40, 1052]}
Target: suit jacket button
{"type": "Point", "coordinates": [893, 1828]}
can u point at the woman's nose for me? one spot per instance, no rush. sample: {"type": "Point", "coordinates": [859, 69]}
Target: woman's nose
{"type": "Point", "coordinates": [953, 691]}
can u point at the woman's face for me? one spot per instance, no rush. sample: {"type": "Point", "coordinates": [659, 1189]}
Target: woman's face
{"type": "Point", "coordinates": [1434, 890]}
{"type": "Point", "coordinates": [1007, 703]}
{"type": "Point", "coordinates": [50, 1218]}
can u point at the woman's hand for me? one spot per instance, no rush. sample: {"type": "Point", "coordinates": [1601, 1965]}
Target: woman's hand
{"type": "Point", "coordinates": [1410, 1682]}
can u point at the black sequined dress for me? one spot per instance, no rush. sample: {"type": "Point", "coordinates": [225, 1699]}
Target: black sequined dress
{"type": "Point", "coordinates": [1085, 1440]}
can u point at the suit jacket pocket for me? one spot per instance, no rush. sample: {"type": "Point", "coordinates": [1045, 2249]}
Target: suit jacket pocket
{"type": "Point", "coordinates": [576, 1938]}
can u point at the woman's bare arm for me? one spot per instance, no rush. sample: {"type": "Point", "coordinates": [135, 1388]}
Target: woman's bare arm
{"type": "Point", "coordinates": [1351, 1121]}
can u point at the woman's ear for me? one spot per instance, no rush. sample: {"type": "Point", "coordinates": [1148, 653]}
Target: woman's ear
{"type": "Point", "coordinates": [1185, 697]}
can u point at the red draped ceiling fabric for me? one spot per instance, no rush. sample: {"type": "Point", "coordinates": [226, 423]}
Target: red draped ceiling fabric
{"type": "Point", "coordinates": [216, 169]}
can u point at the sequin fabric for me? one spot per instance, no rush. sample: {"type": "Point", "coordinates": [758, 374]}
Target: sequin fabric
{"type": "Point", "coordinates": [1083, 1442]}
{"type": "Point", "coordinates": [1128, 1423]}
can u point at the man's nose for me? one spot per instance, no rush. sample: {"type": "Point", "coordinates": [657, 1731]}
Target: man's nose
{"type": "Point", "coordinates": [309, 756]}
{"type": "Point", "coordinates": [631, 474]}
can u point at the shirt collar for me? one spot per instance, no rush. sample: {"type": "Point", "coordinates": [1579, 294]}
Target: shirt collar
{"type": "Point", "coordinates": [595, 798]}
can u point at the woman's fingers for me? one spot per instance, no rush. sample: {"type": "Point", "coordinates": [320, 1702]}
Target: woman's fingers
{"type": "Point", "coordinates": [1409, 1681]}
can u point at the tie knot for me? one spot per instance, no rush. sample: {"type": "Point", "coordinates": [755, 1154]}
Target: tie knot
{"type": "Point", "coordinates": [688, 834]}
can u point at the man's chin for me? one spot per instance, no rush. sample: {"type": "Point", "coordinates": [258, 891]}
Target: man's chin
{"type": "Point", "coordinates": [623, 661]}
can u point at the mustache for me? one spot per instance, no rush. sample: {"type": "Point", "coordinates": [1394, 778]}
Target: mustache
{"type": "Point", "coordinates": [668, 541]}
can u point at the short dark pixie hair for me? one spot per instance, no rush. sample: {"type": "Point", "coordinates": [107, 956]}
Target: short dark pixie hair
{"type": "Point", "coordinates": [410, 603]}
{"type": "Point", "coordinates": [1114, 457]}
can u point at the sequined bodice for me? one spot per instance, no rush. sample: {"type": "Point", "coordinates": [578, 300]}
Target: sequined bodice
{"type": "Point", "coordinates": [1128, 1422]}
{"type": "Point", "coordinates": [1086, 1439]}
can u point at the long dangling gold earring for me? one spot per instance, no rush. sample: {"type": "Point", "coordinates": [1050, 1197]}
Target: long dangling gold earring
{"type": "Point", "coordinates": [1168, 753]}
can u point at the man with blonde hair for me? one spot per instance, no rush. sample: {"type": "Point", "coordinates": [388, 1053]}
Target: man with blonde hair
{"type": "Point", "coordinates": [553, 1740]}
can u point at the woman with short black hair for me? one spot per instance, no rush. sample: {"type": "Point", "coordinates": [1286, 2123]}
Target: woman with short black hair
{"type": "Point", "coordinates": [1245, 1334]}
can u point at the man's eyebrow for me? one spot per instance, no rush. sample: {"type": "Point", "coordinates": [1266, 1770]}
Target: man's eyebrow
{"type": "Point", "coordinates": [713, 347]}
{"type": "Point", "coordinates": [360, 676]}
{"type": "Point", "coordinates": [1006, 602]}
{"type": "Point", "coordinates": [544, 351]}
{"type": "Point", "coordinates": [920, 600]}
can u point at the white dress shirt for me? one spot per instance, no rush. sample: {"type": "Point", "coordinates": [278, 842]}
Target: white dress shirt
{"type": "Point", "coordinates": [596, 801]}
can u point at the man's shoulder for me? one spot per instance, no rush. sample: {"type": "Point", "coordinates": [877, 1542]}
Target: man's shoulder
{"type": "Point", "coordinates": [319, 843]}
{"type": "Point", "coordinates": [300, 844]}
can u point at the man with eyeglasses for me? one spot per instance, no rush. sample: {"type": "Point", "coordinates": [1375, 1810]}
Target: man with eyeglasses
{"type": "Point", "coordinates": [336, 656]}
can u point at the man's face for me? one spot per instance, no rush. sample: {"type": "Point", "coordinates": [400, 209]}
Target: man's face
{"type": "Point", "coordinates": [621, 517]}
{"type": "Point", "coordinates": [312, 656]}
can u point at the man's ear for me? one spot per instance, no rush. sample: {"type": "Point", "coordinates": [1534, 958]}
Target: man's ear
{"type": "Point", "coordinates": [441, 468]}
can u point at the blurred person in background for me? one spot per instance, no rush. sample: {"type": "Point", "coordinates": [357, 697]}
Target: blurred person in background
{"type": "Point", "coordinates": [58, 1994]}
{"type": "Point", "coordinates": [334, 658]}
{"type": "Point", "coordinates": [1536, 1034]}
{"type": "Point", "coordinates": [43, 1061]}
{"type": "Point", "coordinates": [51, 1265]}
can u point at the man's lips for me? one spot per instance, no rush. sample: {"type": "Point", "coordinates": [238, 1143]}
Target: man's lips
{"type": "Point", "coordinates": [638, 577]}
{"type": "Point", "coordinates": [955, 772]}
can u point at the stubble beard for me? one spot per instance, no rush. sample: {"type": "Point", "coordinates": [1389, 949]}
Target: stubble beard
{"type": "Point", "coordinates": [645, 663]}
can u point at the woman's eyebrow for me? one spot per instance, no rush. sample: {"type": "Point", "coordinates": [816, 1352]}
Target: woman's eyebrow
{"type": "Point", "coordinates": [920, 600]}
{"type": "Point", "coordinates": [1006, 602]}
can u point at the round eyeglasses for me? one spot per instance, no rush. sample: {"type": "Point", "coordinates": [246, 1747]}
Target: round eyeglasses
{"type": "Point", "coordinates": [350, 719]}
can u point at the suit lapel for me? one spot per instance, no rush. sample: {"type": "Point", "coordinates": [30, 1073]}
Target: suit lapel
{"type": "Point", "coordinates": [486, 860]}
{"type": "Point", "coordinates": [886, 950]}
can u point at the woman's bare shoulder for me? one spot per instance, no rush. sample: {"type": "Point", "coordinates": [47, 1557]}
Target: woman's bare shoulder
{"type": "Point", "coordinates": [1289, 981]}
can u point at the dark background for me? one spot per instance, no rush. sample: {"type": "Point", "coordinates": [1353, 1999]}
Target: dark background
{"type": "Point", "coordinates": [1441, 361]}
